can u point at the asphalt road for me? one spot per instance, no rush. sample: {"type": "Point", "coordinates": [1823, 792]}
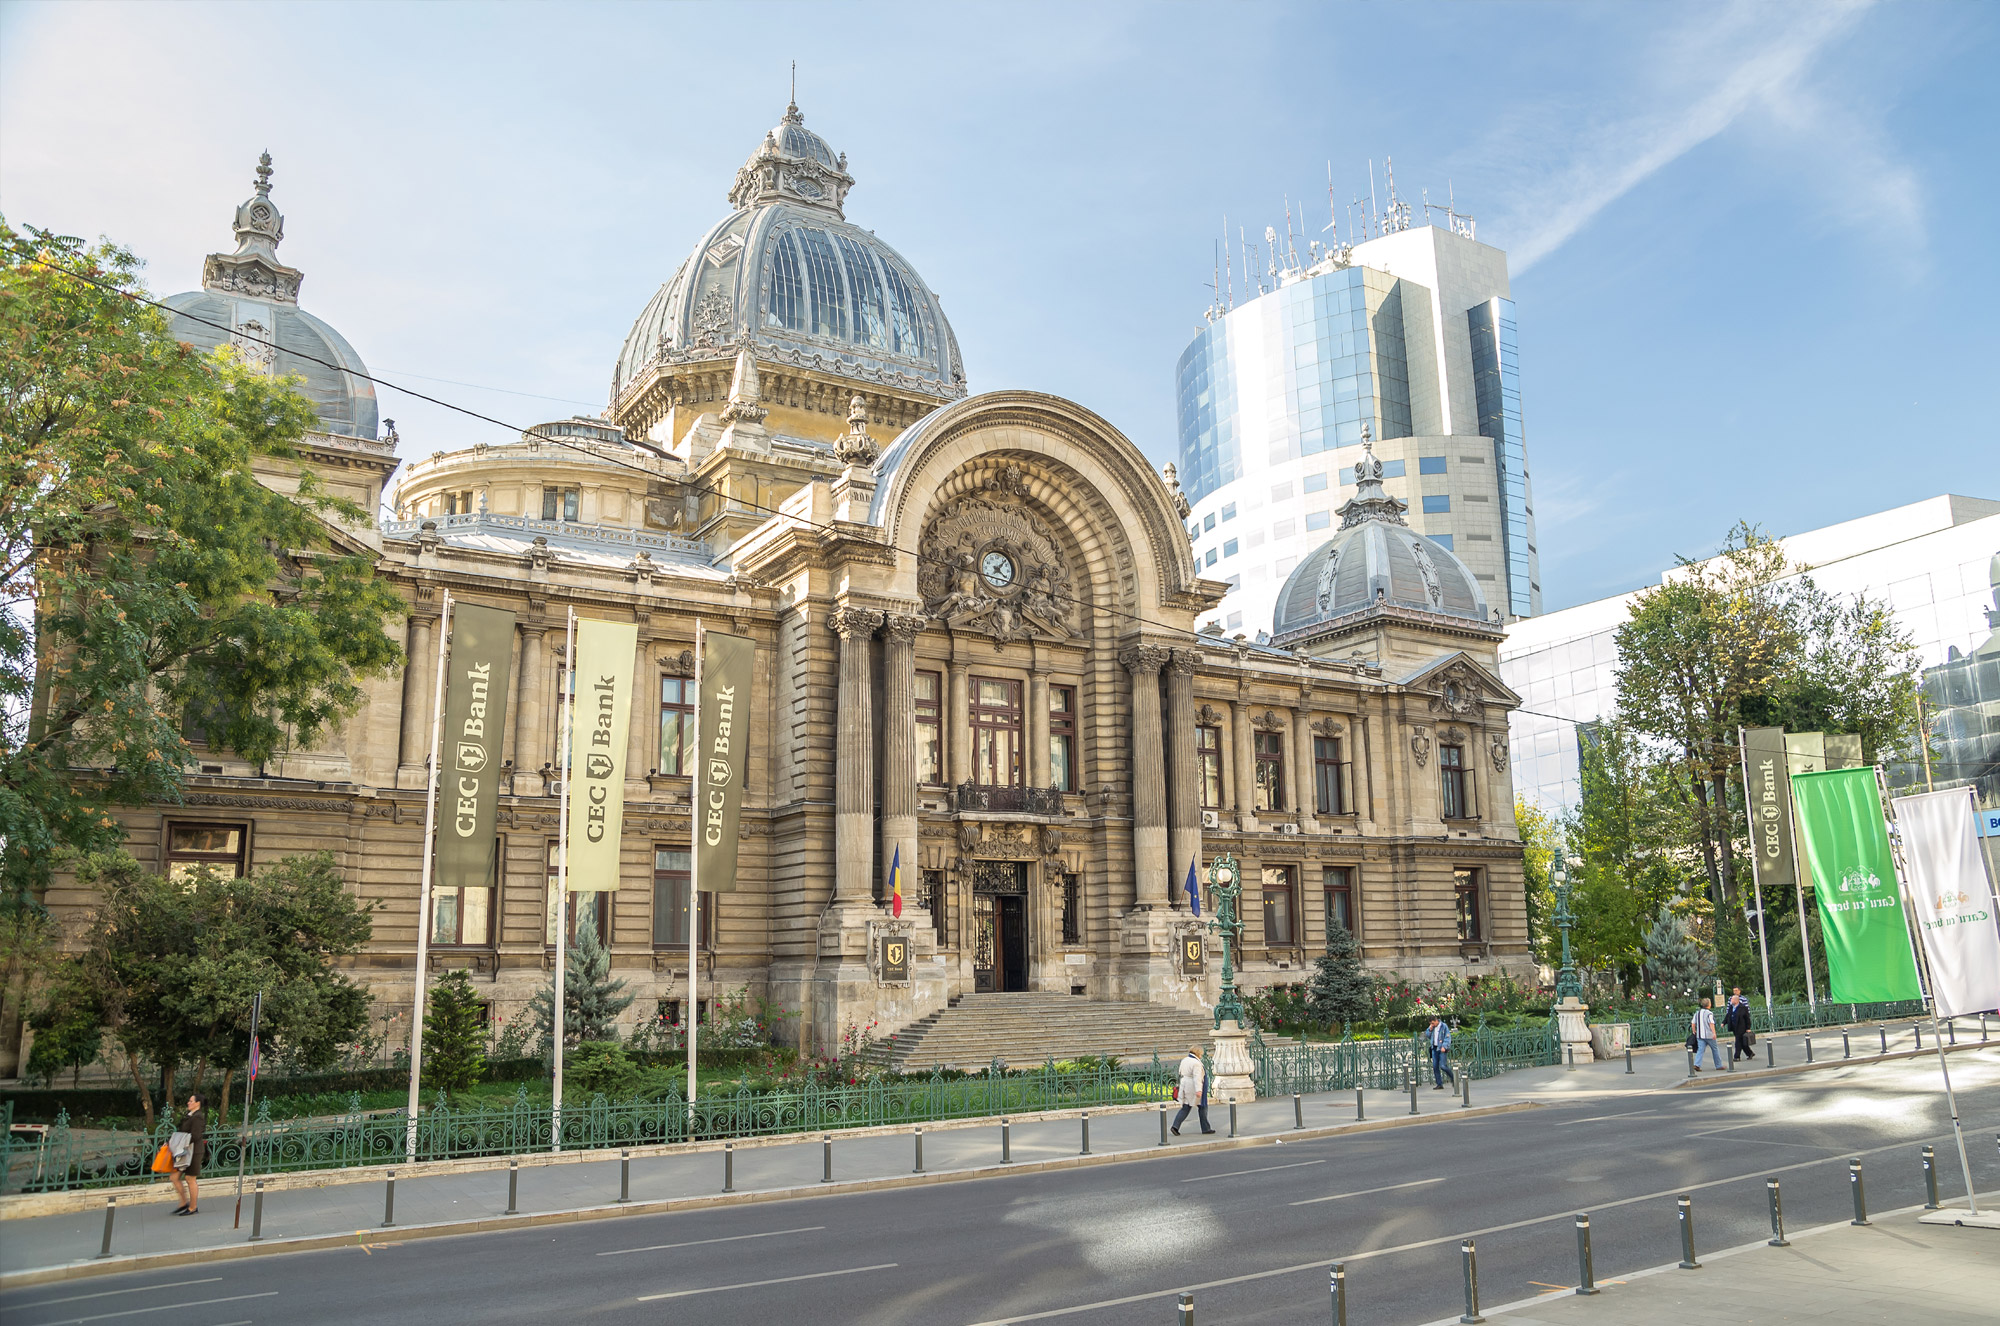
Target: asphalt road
{"type": "Point", "coordinates": [1251, 1231]}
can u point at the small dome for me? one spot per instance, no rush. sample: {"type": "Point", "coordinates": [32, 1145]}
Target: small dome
{"type": "Point", "coordinates": [1376, 560]}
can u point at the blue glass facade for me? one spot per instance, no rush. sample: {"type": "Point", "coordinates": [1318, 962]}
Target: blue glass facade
{"type": "Point", "coordinates": [1302, 368]}
{"type": "Point", "coordinates": [1496, 378]}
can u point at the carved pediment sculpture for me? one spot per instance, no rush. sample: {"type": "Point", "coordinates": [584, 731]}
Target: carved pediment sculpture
{"type": "Point", "coordinates": [991, 565]}
{"type": "Point", "coordinates": [677, 663]}
{"type": "Point", "coordinates": [1327, 727]}
{"type": "Point", "coordinates": [1268, 721]}
{"type": "Point", "coordinates": [1208, 716]}
{"type": "Point", "coordinates": [1458, 691]}
{"type": "Point", "coordinates": [1420, 746]}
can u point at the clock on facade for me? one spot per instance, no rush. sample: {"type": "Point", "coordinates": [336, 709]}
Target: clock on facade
{"type": "Point", "coordinates": [998, 568]}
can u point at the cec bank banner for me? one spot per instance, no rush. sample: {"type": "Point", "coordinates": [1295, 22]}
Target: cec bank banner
{"type": "Point", "coordinates": [1767, 789]}
{"type": "Point", "coordinates": [600, 714]}
{"type": "Point", "coordinates": [475, 714]}
{"type": "Point", "coordinates": [1862, 925]}
{"type": "Point", "coordinates": [1954, 899]}
{"type": "Point", "coordinates": [724, 732]}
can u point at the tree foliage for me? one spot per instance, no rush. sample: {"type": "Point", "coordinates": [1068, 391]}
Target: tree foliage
{"type": "Point", "coordinates": [1341, 991]}
{"type": "Point", "coordinates": [1675, 964]}
{"type": "Point", "coordinates": [1627, 849]}
{"type": "Point", "coordinates": [1540, 835]}
{"type": "Point", "coordinates": [454, 1040]}
{"type": "Point", "coordinates": [592, 999]}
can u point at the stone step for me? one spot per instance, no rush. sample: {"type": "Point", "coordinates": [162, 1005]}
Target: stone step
{"type": "Point", "coordinates": [1025, 1029]}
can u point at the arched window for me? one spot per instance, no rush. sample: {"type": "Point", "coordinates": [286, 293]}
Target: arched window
{"type": "Point", "coordinates": [906, 315]}
{"type": "Point", "coordinates": [788, 290]}
{"type": "Point", "coordinates": [870, 312]}
{"type": "Point", "coordinates": [829, 297]}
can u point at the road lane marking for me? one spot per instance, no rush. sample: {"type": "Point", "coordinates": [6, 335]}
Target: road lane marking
{"type": "Point", "coordinates": [1204, 1178]}
{"type": "Point", "coordinates": [161, 1307]}
{"type": "Point", "coordinates": [1367, 1191]}
{"type": "Point", "coordinates": [696, 1243]}
{"type": "Point", "coordinates": [112, 1293]}
{"type": "Point", "coordinates": [1600, 1118]}
{"type": "Point", "coordinates": [759, 1284]}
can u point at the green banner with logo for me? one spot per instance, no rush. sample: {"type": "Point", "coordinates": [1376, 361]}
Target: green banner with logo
{"type": "Point", "coordinates": [475, 716]}
{"type": "Point", "coordinates": [723, 728]}
{"type": "Point", "coordinates": [1863, 925]}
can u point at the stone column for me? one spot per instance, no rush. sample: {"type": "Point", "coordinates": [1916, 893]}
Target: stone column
{"type": "Point", "coordinates": [643, 722]}
{"type": "Point", "coordinates": [419, 680]}
{"type": "Point", "coordinates": [899, 748]}
{"type": "Point", "coordinates": [1244, 778]}
{"type": "Point", "coordinates": [1305, 794]}
{"type": "Point", "coordinates": [1149, 784]}
{"type": "Point", "coordinates": [1038, 729]}
{"type": "Point", "coordinates": [958, 733]}
{"type": "Point", "coordinates": [854, 759]}
{"type": "Point", "coordinates": [528, 756]}
{"type": "Point", "coordinates": [1183, 789]}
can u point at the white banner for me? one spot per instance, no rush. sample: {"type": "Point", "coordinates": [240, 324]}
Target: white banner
{"type": "Point", "coordinates": [1953, 898]}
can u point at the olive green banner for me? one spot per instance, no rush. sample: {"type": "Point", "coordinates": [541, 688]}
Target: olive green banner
{"type": "Point", "coordinates": [475, 715]}
{"type": "Point", "coordinates": [1768, 795]}
{"type": "Point", "coordinates": [723, 729]}
{"type": "Point", "coordinates": [600, 714]}
{"type": "Point", "coordinates": [1862, 922]}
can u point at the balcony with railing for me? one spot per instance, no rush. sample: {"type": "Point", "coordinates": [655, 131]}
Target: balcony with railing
{"type": "Point", "coordinates": [978, 797]}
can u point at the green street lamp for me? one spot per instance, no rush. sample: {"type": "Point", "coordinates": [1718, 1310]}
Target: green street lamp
{"type": "Point", "coordinates": [1569, 984]}
{"type": "Point", "coordinates": [1225, 890]}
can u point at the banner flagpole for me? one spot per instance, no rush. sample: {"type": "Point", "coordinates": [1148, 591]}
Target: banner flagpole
{"type": "Point", "coordinates": [1756, 881]}
{"type": "Point", "coordinates": [1930, 983]}
{"type": "Point", "coordinates": [249, 1097]}
{"type": "Point", "coordinates": [694, 881]}
{"type": "Point", "coordinates": [1801, 864]}
{"type": "Point", "coordinates": [559, 1014]}
{"type": "Point", "coordinates": [424, 889]}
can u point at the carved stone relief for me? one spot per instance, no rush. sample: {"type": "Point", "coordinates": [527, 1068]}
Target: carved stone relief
{"type": "Point", "coordinates": [1458, 692]}
{"type": "Point", "coordinates": [1420, 746]}
{"type": "Point", "coordinates": [1208, 716]}
{"type": "Point", "coordinates": [1497, 747]}
{"type": "Point", "coordinates": [991, 565]}
{"type": "Point", "coordinates": [1268, 721]}
{"type": "Point", "coordinates": [1327, 727]}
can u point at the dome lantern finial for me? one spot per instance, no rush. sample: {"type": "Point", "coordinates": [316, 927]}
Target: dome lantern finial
{"type": "Point", "coordinates": [1371, 501]}
{"type": "Point", "coordinates": [264, 175]}
{"type": "Point", "coordinates": [254, 269]}
{"type": "Point", "coordinates": [793, 165]}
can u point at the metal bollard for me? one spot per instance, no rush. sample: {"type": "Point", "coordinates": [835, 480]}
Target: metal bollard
{"type": "Point", "coordinates": [1163, 1123]}
{"type": "Point", "coordinates": [1951, 1030]}
{"type": "Point", "coordinates": [1686, 1209]}
{"type": "Point", "coordinates": [1809, 1057]}
{"type": "Point", "coordinates": [1086, 1130]}
{"type": "Point", "coordinates": [1470, 1256]}
{"type": "Point", "coordinates": [729, 1167]}
{"type": "Point", "coordinates": [1628, 1060]}
{"type": "Point", "coordinates": [110, 1213]}
{"type": "Point", "coordinates": [826, 1158]}
{"type": "Point", "coordinates": [1465, 1087]}
{"type": "Point", "coordinates": [1360, 1106]}
{"type": "Point", "coordinates": [624, 1176]}
{"type": "Point", "coordinates": [1187, 1308]}
{"type": "Point", "coordinates": [1692, 1067]}
{"type": "Point", "coordinates": [1732, 1058]}
{"type": "Point", "coordinates": [1846, 1046]}
{"type": "Point", "coordinates": [1770, 1054]}
{"type": "Point", "coordinates": [1232, 1118]}
{"type": "Point", "coordinates": [1885, 1039]}
{"type": "Point", "coordinates": [1777, 1239]}
{"type": "Point", "coordinates": [1982, 1026]}
{"type": "Point", "coordinates": [920, 1152]}
{"type": "Point", "coordinates": [513, 1185]}
{"type": "Point", "coordinates": [1006, 1142]}
{"type": "Point", "coordinates": [1917, 1030]}
{"type": "Point", "coordinates": [1413, 1093]}
{"type": "Point", "coordinates": [1337, 1284]}
{"type": "Point", "coordinates": [1587, 1272]}
{"type": "Point", "coordinates": [257, 1214]}
{"type": "Point", "coordinates": [1298, 1112]}
{"type": "Point", "coordinates": [1930, 1179]}
{"type": "Point", "coordinates": [389, 1202]}
{"type": "Point", "coordinates": [1860, 1194]}
{"type": "Point", "coordinates": [1569, 1051]}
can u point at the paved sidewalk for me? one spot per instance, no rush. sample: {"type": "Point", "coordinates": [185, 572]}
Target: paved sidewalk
{"type": "Point", "coordinates": [1894, 1272]}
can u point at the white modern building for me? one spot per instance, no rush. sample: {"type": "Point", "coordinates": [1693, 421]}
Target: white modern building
{"type": "Point", "coordinates": [1409, 335]}
{"type": "Point", "coordinates": [1936, 563]}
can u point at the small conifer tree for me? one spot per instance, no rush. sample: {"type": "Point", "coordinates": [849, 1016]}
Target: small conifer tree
{"type": "Point", "coordinates": [1673, 959]}
{"type": "Point", "coordinates": [1340, 991]}
{"type": "Point", "coordinates": [592, 999]}
{"type": "Point", "coordinates": [454, 1042]}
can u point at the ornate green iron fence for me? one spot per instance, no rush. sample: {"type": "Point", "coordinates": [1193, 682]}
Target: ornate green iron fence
{"type": "Point", "coordinates": [65, 1158]}
{"type": "Point", "coordinates": [1344, 1065]}
{"type": "Point", "coordinates": [1671, 1028]}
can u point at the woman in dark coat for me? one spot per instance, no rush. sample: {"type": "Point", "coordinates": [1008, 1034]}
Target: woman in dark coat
{"type": "Point", "coordinates": [187, 1170]}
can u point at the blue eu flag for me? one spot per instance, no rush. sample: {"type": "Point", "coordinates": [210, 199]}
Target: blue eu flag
{"type": "Point", "coordinates": [1193, 891]}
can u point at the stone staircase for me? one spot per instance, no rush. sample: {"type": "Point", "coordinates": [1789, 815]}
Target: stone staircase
{"type": "Point", "coordinates": [1022, 1030]}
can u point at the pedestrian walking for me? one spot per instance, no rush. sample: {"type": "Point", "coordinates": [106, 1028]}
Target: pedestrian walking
{"type": "Point", "coordinates": [1437, 1040]}
{"type": "Point", "coordinates": [189, 1148]}
{"type": "Point", "coordinates": [1192, 1092]}
{"type": "Point", "coordinates": [1702, 1027]}
{"type": "Point", "coordinates": [1737, 1019]}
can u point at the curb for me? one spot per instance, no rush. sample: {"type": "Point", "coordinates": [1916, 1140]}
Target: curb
{"type": "Point", "coordinates": [1725, 1076]}
{"type": "Point", "coordinates": [612, 1211]}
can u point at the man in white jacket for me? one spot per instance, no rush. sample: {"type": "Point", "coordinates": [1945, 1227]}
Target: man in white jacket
{"type": "Point", "coordinates": [1192, 1092]}
{"type": "Point", "coordinates": [1703, 1027]}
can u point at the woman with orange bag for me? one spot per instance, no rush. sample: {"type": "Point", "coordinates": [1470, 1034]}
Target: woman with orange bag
{"type": "Point", "coordinates": [186, 1172]}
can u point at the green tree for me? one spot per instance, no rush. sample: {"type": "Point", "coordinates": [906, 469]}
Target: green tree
{"type": "Point", "coordinates": [175, 964]}
{"type": "Point", "coordinates": [1625, 853]}
{"type": "Point", "coordinates": [1736, 962]}
{"type": "Point", "coordinates": [592, 999]}
{"type": "Point", "coordinates": [69, 1027]}
{"type": "Point", "coordinates": [1674, 962]}
{"type": "Point", "coordinates": [149, 579]}
{"type": "Point", "coordinates": [1539, 837]}
{"type": "Point", "coordinates": [1341, 992]}
{"type": "Point", "coordinates": [454, 1039]}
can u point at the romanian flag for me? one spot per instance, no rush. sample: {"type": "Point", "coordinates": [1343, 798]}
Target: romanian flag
{"type": "Point", "coordinates": [896, 883]}
{"type": "Point", "coordinates": [1193, 891]}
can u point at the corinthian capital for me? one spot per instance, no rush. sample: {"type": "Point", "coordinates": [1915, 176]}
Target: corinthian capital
{"type": "Point", "coordinates": [1143, 660]}
{"type": "Point", "coordinates": [853, 623]}
{"type": "Point", "coordinates": [900, 629]}
{"type": "Point", "coordinates": [1183, 662]}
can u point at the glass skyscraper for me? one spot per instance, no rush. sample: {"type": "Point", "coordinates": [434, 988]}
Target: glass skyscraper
{"type": "Point", "coordinates": [1412, 336]}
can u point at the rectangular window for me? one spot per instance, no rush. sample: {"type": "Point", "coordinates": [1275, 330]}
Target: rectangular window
{"type": "Point", "coordinates": [217, 846]}
{"type": "Point", "coordinates": [551, 503]}
{"type": "Point", "coordinates": [1210, 561]}
{"type": "Point", "coordinates": [1443, 540]}
{"type": "Point", "coordinates": [1339, 882]}
{"type": "Point", "coordinates": [1437, 504]}
{"type": "Point", "coordinates": [1281, 492]}
{"type": "Point", "coordinates": [1235, 620]}
{"type": "Point", "coordinates": [1328, 790]}
{"type": "Point", "coordinates": [594, 907]}
{"type": "Point", "coordinates": [1062, 737]}
{"type": "Point", "coordinates": [671, 879]}
{"type": "Point", "coordinates": [1318, 520]}
{"type": "Point", "coordinates": [1229, 510]}
{"type": "Point", "coordinates": [1451, 769]}
{"type": "Point", "coordinates": [1430, 465]}
{"type": "Point", "coordinates": [1072, 910]}
{"type": "Point", "coordinates": [1208, 521]}
{"type": "Point", "coordinates": [1208, 764]}
{"type": "Point", "coordinates": [676, 725]}
{"type": "Point", "coordinates": [1229, 547]}
{"type": "Point", "coordinates": [930, 728]}
{"type": "Point", "coordinates": [1466, 883]}
{"type": "Point", "coordinates": [1314, 483]}
{"type": "Point", "coordinates": [996, 732]}
{"type": "Point", "coordinates": [451, 504]}
{"type": "Point", "coordinates": [1278, 909]}
{"type": "Point", "coordinates": [1234, 582]}
{"type": "Point", "coordinates": [464, 917]}
{"type": "Point", "coordinates": [1270, 748]}
{"type": "Point", "coordinates": [931, 892]}
{"type": "Point", "coordinates": [570, 496]}
{"type": "Point", "coordinates": [1284, 529]}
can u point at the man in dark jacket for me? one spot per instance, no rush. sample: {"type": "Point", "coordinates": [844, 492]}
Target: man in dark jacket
{"type": "Point", "coordinates": [1738, 1020]}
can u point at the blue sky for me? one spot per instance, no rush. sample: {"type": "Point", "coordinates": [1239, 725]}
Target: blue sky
{"type": "Point", "coordinates": [1753, 247]}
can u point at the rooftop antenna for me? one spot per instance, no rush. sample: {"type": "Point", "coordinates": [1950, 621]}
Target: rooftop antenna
{"type": "Point", "coordinates": [795, 83]}
{"type": "Point", "coordinates": [1271, 238]}
{"type": "Point", "coordinates": [1291, 245]}
{"type": "Point", "coordinates": [1228, 262]}
{"type": "Point", "coordinates": [1332, 221]}
{"type": "Point", "coordinates": [1374, 223]}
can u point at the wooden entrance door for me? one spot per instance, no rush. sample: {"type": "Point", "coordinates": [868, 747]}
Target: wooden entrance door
{"type": "Point", "coordinates": [999, 926]}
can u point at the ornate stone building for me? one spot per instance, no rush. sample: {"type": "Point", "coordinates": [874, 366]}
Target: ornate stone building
{"type": "Point", "coordinates": [974, 622]}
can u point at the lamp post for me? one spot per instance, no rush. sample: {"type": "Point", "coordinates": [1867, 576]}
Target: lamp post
{"type": "Point", "coordinates": [1225, 886]}
{"type": "Point", "coordinates": [1569, 984]}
